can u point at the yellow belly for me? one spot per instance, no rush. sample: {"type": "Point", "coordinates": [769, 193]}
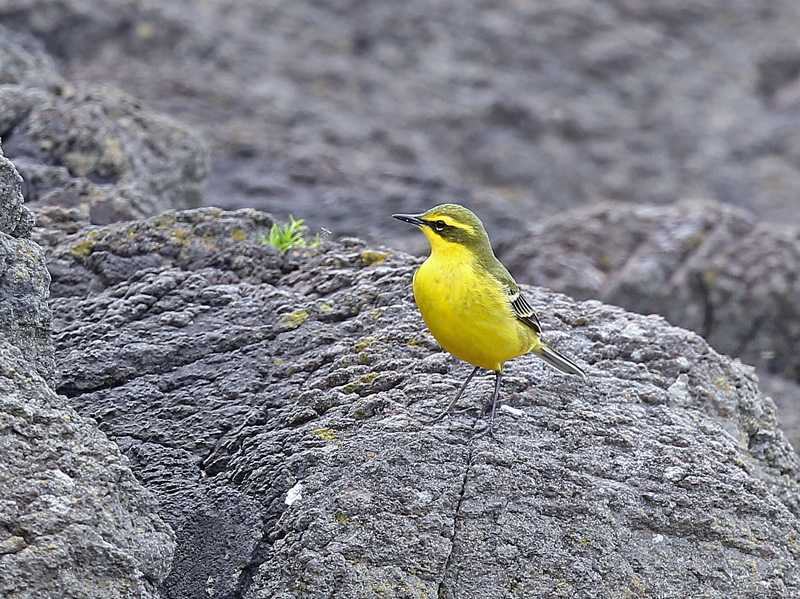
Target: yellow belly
{"type": "Point", "coordinates": [472, 321]}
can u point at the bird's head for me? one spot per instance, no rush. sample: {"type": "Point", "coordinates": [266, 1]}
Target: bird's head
{"type": "Point", "coordinates": [450, 227]}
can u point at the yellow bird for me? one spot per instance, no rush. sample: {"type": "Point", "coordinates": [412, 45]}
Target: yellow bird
{"type": "Point", "coordinates": [471, 303]}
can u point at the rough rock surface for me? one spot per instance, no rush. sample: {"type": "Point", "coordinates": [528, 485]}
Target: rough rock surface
{"type": "Point", "coordinates": [91, 148]}
{"type": "Point", "coordinates": [786, 395]}
{"type": "Point", "coordinates": [25, 319]}
{"type": "Point", "coordinates": [703, 265]}
{"type": "Point", "coordinates": [218, 527]}
{"type": "Point", "coordinates": [536, 106]}
{"type": "Point", "coordinates": [287, 390]}
{"type": "Point", "coordinates": [74, 522]}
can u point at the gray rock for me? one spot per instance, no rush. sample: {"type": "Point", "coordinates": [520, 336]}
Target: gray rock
{"type": "Point", "coordinates": [339, 110]}
{"type": "Point", "coordinates": [91, 148]}
{"type": "Point", "coordinates": [99, 150]}
{"type": "Point", "coordinates": [786, 395]}
{"type": "Point", "coordinates": [218, 527]}
{"type": "Point", "coordinates": [25, 62]}
{"type": "Point", "coordinates": [25, 319]}
{"type": "Point", "coordinates": [703, 265]}
{"type": "Point", "coordinates": [250, 387]}
{"type": "Point", "coordinates": [74, 522]}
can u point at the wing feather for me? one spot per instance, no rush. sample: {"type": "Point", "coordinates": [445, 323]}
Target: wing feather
{"type": "Point", "coordinates": [523, 310]}
{"type": "Point", "coordinates": [519, 305]}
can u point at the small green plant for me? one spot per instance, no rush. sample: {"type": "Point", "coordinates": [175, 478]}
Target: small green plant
{"type": "Point", "coordinates": [291, 235]}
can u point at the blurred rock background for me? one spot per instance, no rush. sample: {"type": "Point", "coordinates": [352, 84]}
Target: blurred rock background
{"type": "Point", "coordinates": [342, 111]}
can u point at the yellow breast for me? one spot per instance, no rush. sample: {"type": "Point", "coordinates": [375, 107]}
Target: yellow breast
{"type": "Point", "coordinates": [468, 311]}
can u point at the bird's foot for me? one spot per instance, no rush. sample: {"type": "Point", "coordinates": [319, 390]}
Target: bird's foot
{"type": "Point", "coordinates": [488, 431]}
{"type": "Point", "coordinates": [439, 417]}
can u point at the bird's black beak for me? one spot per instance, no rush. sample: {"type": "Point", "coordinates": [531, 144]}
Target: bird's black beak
{"type": "Point", "coordinates": [412, 219]}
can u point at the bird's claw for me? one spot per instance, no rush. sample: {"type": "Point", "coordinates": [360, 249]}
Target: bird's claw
{"type": "Point", "coordinates": [489, 430]}
{"type": "Point", "coordinates": [439, 417]}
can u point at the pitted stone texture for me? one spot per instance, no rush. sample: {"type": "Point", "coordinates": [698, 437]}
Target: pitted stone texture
{"type": "Point", "coordinates": [293, 386]}
{"type": "Point", "coordinates": [74, 522]}
{"type": "Point", "coordinates": [25, 319]}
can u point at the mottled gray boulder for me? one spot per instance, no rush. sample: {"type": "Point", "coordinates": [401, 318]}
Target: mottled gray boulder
{"type": "Point", "coordinates": [786, 395]}
{"type": "Point", "coordinates": [339, 110]}
{"type": "Point", "coordinates": [25, 319]}
{"type": "Point", "coordinates": [91, 148]}
{"type": "Point", "coordinates": [97, 149]}
{"type": "Point", "coordinates": [273, 403]}
{"type": "Point", "coordinates": [703, 265]}
{"type": "Point", "coordinates": [74, 522]}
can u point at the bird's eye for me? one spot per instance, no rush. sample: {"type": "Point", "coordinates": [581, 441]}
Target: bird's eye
{"type": "Point", "coordinates": [439, 225]}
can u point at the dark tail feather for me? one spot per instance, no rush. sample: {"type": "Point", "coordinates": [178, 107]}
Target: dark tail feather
{"type": "Point", "coordinates": [559, 361]}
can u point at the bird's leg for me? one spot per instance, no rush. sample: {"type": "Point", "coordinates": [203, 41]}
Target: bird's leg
{"type": "Point", "coordinates": [489, 430]}
{"type": "Point", "coordinates": [449, 407]}
{"type": "Point", "coordinates": [495, 397]}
